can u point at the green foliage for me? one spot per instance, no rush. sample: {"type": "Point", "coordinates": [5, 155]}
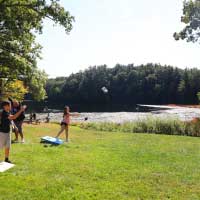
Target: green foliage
{"type": "Point", "coordinates": [127, 85]}
{"type": "Point", "coordinates": [19, 20]}
{"type": "Point", "coordinates": [54, 86]}
{"type": "Point", "coordinates": [150, 125]}
{"type": "Point", "coordinates": [102, 166]}
{"type": "Point", "coordinates": [36, 84]}
{"type": "Point", "coordinates": [191, 17]}
{"type": "Point", "coordinates": [198, 95]}
{"type": "Point", "coordinates": [14, 90]}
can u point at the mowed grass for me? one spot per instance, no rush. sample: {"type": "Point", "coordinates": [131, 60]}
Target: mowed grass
{"type": "Point", "coordinates": [103, 166]}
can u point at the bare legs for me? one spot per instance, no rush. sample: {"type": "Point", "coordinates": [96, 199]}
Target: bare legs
{"type": "Point", "coordinates": [7, 151]}
{"type": "Point", "coordinates": [61, 130]}
{"type": "Point", "coordinates": [18, 131]}
{"type": "Point", "coordinates": [16, 135]}
{"type": "Point", "coordinates": [67, 133]}
{"type": "Point", "coordinates": [66, 129]}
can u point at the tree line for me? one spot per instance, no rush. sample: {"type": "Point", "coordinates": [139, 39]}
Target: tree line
{"type": "Point", "coordinates": [20, 20]}
{"type": "Point", "coordinates": [127, 84]}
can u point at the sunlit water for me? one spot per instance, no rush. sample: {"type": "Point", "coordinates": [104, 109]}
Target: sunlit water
{"type": "Point", "coordinates": [184, 114]}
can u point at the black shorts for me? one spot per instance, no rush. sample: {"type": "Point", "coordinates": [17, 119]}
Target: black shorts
{"type": "Point", "coordinates": [63, 123]}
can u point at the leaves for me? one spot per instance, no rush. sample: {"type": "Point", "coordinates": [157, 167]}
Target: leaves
{"type": "Point", "coordinates": [36, 83]}
{"type": "Point", "coordinates": [191, 17]}
{"type": "Point", "coordinates": [14, 89]}
{"type": "Point", "coordinates": [19, 51]}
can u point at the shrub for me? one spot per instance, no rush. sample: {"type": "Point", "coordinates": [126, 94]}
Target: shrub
{"type": "Point", "coordinates": [150, 125]}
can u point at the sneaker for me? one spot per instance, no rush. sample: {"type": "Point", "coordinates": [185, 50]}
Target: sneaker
{"type": "Point", "coordinates": [15, 141]}
{"type": "Point", "coordinates": [8, 161]}
{"type": "Point", "coordinates": [22, 141]}
{"type": "Point", "coordinates": [67, 140]}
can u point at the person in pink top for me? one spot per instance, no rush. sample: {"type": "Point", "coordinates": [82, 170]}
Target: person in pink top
{"type": "Point", "coordinates": [65, 122]}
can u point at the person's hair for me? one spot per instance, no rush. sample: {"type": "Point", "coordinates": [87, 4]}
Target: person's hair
{"type": "Point", "coordinates": [65, 110]}
{"type": "Point", "coordinates": [5, 103]}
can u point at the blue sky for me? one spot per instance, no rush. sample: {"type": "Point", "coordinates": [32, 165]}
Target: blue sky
{"type": "Point", "coordinates": [116, 31]}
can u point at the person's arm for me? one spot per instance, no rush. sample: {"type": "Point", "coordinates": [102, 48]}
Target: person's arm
{"type": "Point", "coordinates": [14, 126]}
{"type": "Point", "coordinates": [12, 117]}
{"type": "Point", "coordinates": [74, 114]}
{"type": "Point", "coordinates": [11, 101]}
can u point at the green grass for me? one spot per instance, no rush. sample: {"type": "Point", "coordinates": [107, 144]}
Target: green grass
{"type": "Point", "coordinates": [103, 166]}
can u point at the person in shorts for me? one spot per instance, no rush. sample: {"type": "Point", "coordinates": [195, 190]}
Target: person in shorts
{"type": "Point", "coordinates": [16, 106]}
{"type": "Point", "coordinates": [65, 122]}
{"type": "Point", "coordinates": [5, 122]}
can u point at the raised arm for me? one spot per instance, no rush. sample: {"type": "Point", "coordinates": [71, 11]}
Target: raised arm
{"type": "Point", "coordinates": [74, 114]}
{"type": "Point", "coordinates": [12, 117]}
{"type": "Point", "coordinates": [11, 101]}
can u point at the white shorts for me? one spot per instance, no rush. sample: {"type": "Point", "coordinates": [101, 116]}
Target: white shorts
{"type": "Point", "coordinates": [5, 140]}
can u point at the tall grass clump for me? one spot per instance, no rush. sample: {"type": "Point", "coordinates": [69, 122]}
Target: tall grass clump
{"type": "Point", "coordinates": [154, 125]}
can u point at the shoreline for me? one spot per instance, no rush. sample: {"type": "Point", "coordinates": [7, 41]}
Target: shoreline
{"type": "Point", "coordinates": [181, 113]}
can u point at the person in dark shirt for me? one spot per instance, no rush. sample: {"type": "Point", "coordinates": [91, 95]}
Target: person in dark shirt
{"type": "Point", "coordinates": [5, 122]}
{"type": "Point", "coordinates": [16, 106]}
{"type": "Point", "coordinates": [34, 117]}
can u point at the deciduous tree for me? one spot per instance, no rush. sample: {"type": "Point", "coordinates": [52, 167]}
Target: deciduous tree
{"type": "Point", "coordinates": [191, 17]}
{"type": "Point", "coordinates": [19, 21]}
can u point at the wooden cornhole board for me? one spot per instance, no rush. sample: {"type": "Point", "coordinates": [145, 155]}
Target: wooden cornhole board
{"type": "Point", "coordinates": [4, 166]}
{"type": "Point", "coordinates": [51, 140]}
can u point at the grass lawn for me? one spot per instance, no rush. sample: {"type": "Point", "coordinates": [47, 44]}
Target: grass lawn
{"type": "Point", "coordinates": [103, 166]}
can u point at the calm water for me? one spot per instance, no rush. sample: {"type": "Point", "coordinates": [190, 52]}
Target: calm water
{"type": "Point", "coordinates": [184, 114]}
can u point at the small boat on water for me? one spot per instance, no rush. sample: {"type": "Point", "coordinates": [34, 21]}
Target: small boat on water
{"type": "Point", "coordinates": [145, 107]}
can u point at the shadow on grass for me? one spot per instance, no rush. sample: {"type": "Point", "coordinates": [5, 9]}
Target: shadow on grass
{"type": "Point", "coordinates": [48, 144]}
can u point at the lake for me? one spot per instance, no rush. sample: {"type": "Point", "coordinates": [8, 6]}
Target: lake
{"type": "Point", "coordinates": [184, 114]}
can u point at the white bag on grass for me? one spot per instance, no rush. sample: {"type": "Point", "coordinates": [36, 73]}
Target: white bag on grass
{"type": "Point", "coordinates": [4, 166]}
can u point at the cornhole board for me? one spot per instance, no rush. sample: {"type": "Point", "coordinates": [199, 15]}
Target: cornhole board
{"type": "Point", "coordinates": [4, 166]}
{"type": "Point", "coordinates": [51, 140]}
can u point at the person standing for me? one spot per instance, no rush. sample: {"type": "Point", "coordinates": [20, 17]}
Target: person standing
{"type": "Point", "coordinates": [16, 107]}
{"type": "Point", "coordinates": [5, 122]}
{"type": "Point", "coordinates": [66, 122]}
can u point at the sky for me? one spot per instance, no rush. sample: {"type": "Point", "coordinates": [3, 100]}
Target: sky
{"type": "Point", "coordinates": [116, 31]}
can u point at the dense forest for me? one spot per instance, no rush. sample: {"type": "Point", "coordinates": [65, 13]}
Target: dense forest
{"type": "Point", "coordinates": [127, 85]}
